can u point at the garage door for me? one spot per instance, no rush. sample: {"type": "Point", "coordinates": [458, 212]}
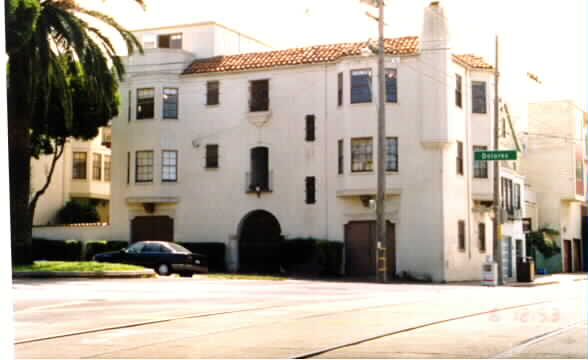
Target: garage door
{"type": "Point", "coordinates": [360, 249]}
{"type": "Point", "coordinates": [152, 228]}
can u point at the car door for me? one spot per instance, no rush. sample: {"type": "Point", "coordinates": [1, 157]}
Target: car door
{"type": "Point", "coordinates": [133, 254]}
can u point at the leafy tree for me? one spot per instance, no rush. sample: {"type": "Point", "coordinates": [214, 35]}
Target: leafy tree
{"type": "Point", "coordinates": [78, 212]}
{"type": "Point", "coordinates": [63, 77]}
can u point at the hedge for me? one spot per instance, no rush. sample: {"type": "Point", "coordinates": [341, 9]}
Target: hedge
{"type": "Point", "coordinates": [95, 247]}
{"type": "Point", "coordinates": [64, 250]}
{"type": "Point", "coordinates": [311, 256]}
{"type": "Point", "coordinates": [215, 253]}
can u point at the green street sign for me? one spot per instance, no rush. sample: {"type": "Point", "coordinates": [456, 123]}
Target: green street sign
{"type": "Point", "coordinates": [495, 155]}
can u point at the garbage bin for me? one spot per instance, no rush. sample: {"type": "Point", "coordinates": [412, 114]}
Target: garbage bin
{"type": "Point", "coordinates": [525, 269]}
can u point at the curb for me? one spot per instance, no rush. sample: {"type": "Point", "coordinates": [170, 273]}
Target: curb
{"type": "Point", "coordinates": [147, 273]}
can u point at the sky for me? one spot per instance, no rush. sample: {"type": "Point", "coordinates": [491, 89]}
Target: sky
{"type": "Point", "coordinates": [545, 37]}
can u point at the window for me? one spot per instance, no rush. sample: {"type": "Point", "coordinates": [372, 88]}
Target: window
{"type": "Point", "coordinates": [391, 154]}
{"type": "Point", "coordinates": [128, 167]}
{"type": "Point", "coordinates": [459, 158]}
{"type": "Point", "coordinates": [169, 165]}
{"type": "Point", "coordinates": [458, 96]}
{"type": "Point", "coordinates": [461, 235]}
{"type": "Point", "coordinates": [169, 41]}
{"type": "Point", "coordinates": [145, 103]}
{"type": "Point", "coordinates": [107, 168]}
{"type": "Point", "coordinates": [212, 92]}
{"type": "Point", "coordinates": [507, 195]}
{"type": "Point", "coordinates": [479, 97]}
{"type": "Point", "coordinates": [482, 237]}
{"type": "Point", "coordinates": [96, 167]}
{"type": "Point", "coordinates": [211, 156]}
{"type": "Point", "coordinates": [259, 95]}
{"type": "Point", "coordinates": [259, 169]}
{"type": "Point", "coordinates": [339, 89]}
{"type": "Point", "coordinates": [480, 166]}
{"type": "Point", "coordinates": [79, 165]}
{"type": "Point", "coordinates": [391, 86]}
{"type": "Point", "coordinates": [361, 154]}
{"type": "Point", "coordinates": [310, 128]}
{"type": "Point", "coordinates": [144, 166]}
{"type": "Point", "coordinates": [361, 82]}
{"type": "Point", "coordinates": [310, 189]}
{"type": "Point", "coordinates": [340, 156]}
{"type": "Point", "coordinates": [517, 196]}
{"type": "Point", "coordinates": [170, 103]}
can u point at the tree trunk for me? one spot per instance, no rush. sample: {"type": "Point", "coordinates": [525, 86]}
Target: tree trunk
{"type": "Point", "coordinates": [20, 113]}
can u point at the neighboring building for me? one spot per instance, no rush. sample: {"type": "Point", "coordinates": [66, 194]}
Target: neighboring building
{"type": "Point", "coordinates": [554, 164]}
{"type": "Point", "coordinates": [83, 173]}
{"type": "Point", "coordinates": [247, 149]}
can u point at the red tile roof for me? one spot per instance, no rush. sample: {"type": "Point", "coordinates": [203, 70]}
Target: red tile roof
{"type": "Point", "coordinates": [472, 61]}
{"type": "Point", "coordinates": [313, 55]}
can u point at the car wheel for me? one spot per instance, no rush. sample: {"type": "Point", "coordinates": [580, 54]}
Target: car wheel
{"type": "Point", "coordinates": [163, 269]}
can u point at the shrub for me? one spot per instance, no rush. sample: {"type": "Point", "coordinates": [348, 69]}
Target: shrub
{"type": "Point", "coordinates": [311, 256]}
{"type": "Point", "coordinates": [215, 252]}
{"type": "Point", "coordinates": [64, 250]}
{"type": "Point", "coordinates": [78, 212]}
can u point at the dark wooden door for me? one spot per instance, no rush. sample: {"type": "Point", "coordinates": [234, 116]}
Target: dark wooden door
{"type": "Point", "coordinates": [360, 248]}
{"type": "Point", "coordinates": [577, 255]}
{"type": "Point", "coordinates": [152, 228]}
{"type": "Point", "coordinates": [567, 256]}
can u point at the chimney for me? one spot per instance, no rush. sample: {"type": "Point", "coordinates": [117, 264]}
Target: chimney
{"type": "Point", "coordinates": [435, 32]}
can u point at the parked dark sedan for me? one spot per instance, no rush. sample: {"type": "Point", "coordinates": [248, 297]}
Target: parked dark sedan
{"type": "Point", "coordinates": [163, 257]}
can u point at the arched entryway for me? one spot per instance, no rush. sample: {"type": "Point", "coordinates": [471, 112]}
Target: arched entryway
{"type": "Point", "coordinates": [260, 236]}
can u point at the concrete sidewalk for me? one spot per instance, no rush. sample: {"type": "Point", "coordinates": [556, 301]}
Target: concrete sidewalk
{"type": "Point", "coordinates": [83, 274]}
{"type": "Point", "coordinates": [550, 279]}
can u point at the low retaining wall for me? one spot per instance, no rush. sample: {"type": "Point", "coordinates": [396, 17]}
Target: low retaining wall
{"type": "Point", "coordinates": [81, 232]}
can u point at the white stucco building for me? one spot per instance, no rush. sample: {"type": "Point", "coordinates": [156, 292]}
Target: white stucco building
{"type": "Point", "coordinates": [217, 143]}
{"type": "Point", "coordinates": [82, 173]}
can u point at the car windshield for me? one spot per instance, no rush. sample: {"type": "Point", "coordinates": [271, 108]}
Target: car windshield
{"type": "Point", "coordinates": [178, 248]}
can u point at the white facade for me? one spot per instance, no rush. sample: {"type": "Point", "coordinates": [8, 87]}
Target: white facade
{"type": "Point", "coordinates": [65, 186]}
{"type": "Point", "coordinates": [428, 199]}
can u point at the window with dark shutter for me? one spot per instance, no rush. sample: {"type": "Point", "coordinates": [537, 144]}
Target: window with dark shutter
{"type": "Point", "coordinates": [482, 236]}
{"type": "Point", "coordinates": [461, 235]}
{"type": "Point", "coordinates": [391, 86]}
{"type": "Point", "coordinates": [361, 82]}
{"type": "Point", "coordinates": [310, 190]}
{"type": "Point", "coordinates": [211, 156]}
{"type": "Point", "coordinates": [310, 136]}
{"type": "Point", "coordinates": [259, 169]}
{"type": "Point", "coordinates": [479, 97]}
{"type": "Point", "coordinates": [212, 92]}
{"type": "Point", "coordinates": [339, 89]}
{"type": "Point", "coordinates": [340, 156]}
{"type": "Point", "coordinates": [458, 91]}
{"type": "Point", "coordinates": [259, 95]}
{"type": "Point", "coordinates": [459, 158]}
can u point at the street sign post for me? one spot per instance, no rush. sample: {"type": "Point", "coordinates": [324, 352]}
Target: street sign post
{"type": "Point", "coordinates": [490, 155]}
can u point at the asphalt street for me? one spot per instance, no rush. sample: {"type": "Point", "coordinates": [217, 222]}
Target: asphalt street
{"type": "Point", "coordinates": [170, 318]}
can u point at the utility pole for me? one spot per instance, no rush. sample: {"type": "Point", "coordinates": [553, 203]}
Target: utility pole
{"type": "Point", "coordinates": [497, 240]}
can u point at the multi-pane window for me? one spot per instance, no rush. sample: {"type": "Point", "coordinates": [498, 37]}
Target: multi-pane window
{"type": "Point", "coordinates": [391, 154]}
{"type": "Point", "coordinates": [517, 196]}
{"type": "Point", "coordinates": [461, 235]}
{"type": "Point", "coordinates": [507, 195]}
{"type": "Point", "coordinates": [458, 91]}
{"type": "Point", "coordinates": [310, 128]}
{"type": "Point", "coordinates": [310, 183]}
{"type": "Point", "coordinates": [107, 168]}
{"type": "Point", "coordinates": [259, 95]}
{"type": "Point", "coordinates": [479, 97]}
{"type": "Point", "coordinates": [144, 166]}
{"type": "Point", "coordinates": [145, 103]}
{"type": "Point", "coordinates": [340, 156]}
{"type": "Point", "coordinates": [361, 82]}
{"type": "Point", "coordinates": [361, 154]}
{"type": "Point", "coordinates": [339, 89]}
{"type": "Point", "coordinates": [212, 92]}
{"type": "Point", "coordinates": [169, 165]}
{"type": "Point", "coordinates": [391, 86]}
{"type": "Point", "coordinates": [482, 236]}
{"type": "Point", "coordinates": [170, 41]}
{"type": "Point", "coordinates": [480, 166]}
{"type": "Point", "coordinates": [170, 103]}
{"type": "Point", "coordinates": [459, 158]}
{"type": "Point", "coordinates": [211, 156]}
{"type": "Point", "coordinates": [79, 165]}
{"type": "Point", "coordinates": [96, 166]}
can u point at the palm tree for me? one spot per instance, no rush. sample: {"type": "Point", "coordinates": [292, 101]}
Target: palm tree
{"type": "Point", "coordinates": [57, 61]}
